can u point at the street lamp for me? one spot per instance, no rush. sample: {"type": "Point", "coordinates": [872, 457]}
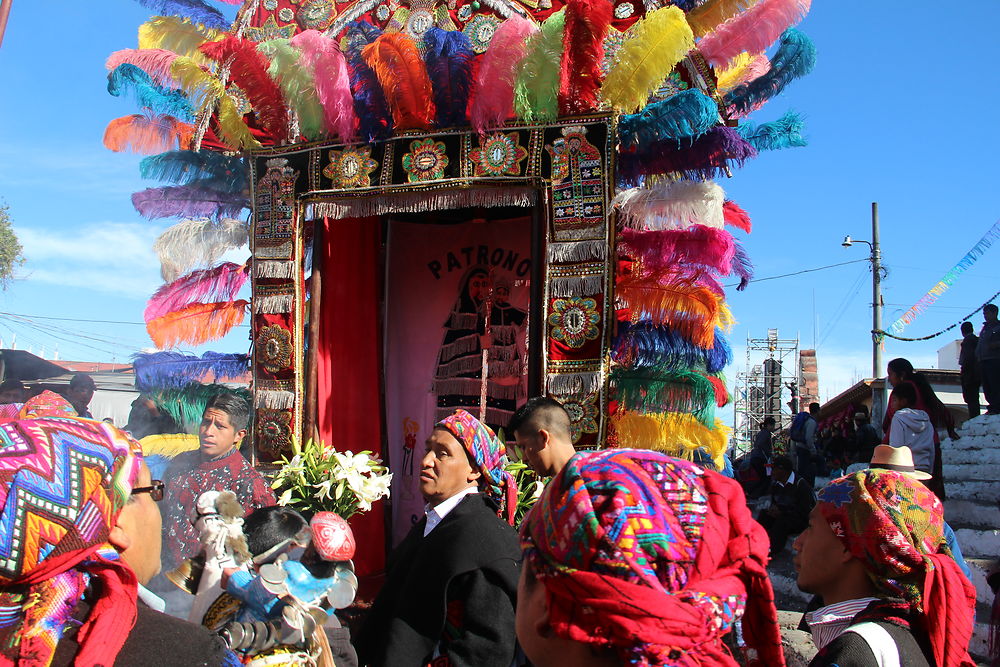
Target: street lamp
{"type": "Point", "coordinates": [876, 260]}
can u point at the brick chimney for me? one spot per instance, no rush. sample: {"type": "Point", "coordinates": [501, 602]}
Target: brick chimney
{"type": "Point", "coordinates": [809, 379]}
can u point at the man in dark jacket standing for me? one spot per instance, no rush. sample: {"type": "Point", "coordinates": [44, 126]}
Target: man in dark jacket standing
{"type": "Point", "coordinates": [970, 369]}
{"type": "Point", "coordinates": [449, 598]}
{"type": "Point", "coordinates": [988, 354]}
{"type": "Point", "coordinates": [792, 499]}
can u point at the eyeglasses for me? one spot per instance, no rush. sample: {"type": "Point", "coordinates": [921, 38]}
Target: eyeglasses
{"type": "Point", "coordinates": [155, 490]}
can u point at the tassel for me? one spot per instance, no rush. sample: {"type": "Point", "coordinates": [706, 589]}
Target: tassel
{"type": "Point", "coordinates": [183, 167]}
{"type": "Point", "coordinates": [752, 31]}
{"type": "Point", "coordinates": [374, 119]}
{"type": "Point", "coordinates": [587, 23]}
{"type": "Point", "coordinates": [795, 58]}
{"type": "Point", "coordinates": [145, 134]}
{"type": "Point", "coordinates": [186, 405]}
{"type": "Point", "coordinates": [248, 70]}
{"type": "Point", "coordinates": [689, 113]}
{"type": "Point", "coordinates": [153, 98]}
{"type": "Point", "coordinates": [274, 399]}
{"type": "Point", "coordinates": [745, 68]}
{"type": "Point", "coordinates": [194, 243]}
{"type": "Point", "coordinates": [786, 132]}
{"type": "Point", "coordinates": [675, 434]}
{"type": "Point", "coordinates": [742, 267]}
{"type": "Point", "coordinates": [657, 43]}
{"type": "Point", "coordinates": [736, 216]}
{"type": "Point", "coordinates": [154, 62]}
{"type": "Point", "coordinates": [401, 72]}
{"type": "Point", "coordinates": [706, 17]}
{"type": "Point", "coordinates": [193, 200]}
{"type": "Point", "coordinates": [161, 370]}
{"type": "Point", "coordinates": [653, 390]}
{"type": "Point", "coordinates": [568, 384]}
{"type": "Point", "coordinates": [697, 245]}
{"type": "Point", "coordinates": [642, 345]}
{"type": "Point", "coordinates": [694, 312]}
{"type": "Point", "coordinates": [198, 323]}
{"type": "Point", "coordinates": [297, 85]}
{"type": "Point", "coordinates": [709, 156]}
{"type": "Point", "coordinates": [536, 89]}
{"type": "Point", "coordinates": [333, 83]}
{"type": "Point", "coordinates": [493, 102]}
{"type": "Point", "coordinates": [448, 56]}
{"type": "Point", "coordinates": [675, 205]}
{"type": "Point", "coordinates": [205, 90]}
{"type": "Point", "coordinates": [195, 11]}
{"type": "Point", "coordinates": [176, 35]}
{"type": "Point", "coordinates": [218, 284]}
{"type": "Point", "coordinates": [274, 269]}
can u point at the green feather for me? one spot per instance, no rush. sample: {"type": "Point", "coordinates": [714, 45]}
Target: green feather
{"type": "Point", "coordinates": [187, 404]}
{"type": "Point", "coordinates": [537, 88]}
{"type": "Point", "coordinates": [297, 85]}
{"type": "Point", "coordinates": [648, 391]}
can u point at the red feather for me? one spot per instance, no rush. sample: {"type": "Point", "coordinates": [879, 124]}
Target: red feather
{"type": "Point", "coordinates": [401, 72]}
{"type": "Point", "coordinates": [248, 70]}
{"type": "Point", "coordinates": [736, 216]}
{"type": "Point", "coordinates": [587, 23]}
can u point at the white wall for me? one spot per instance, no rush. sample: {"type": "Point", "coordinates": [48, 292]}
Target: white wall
{"type": "Point", "coordinates": [948, 356]}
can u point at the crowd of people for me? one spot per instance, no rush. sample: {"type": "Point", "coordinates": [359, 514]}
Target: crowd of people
{"type": "Point", "coordinates": [628, 557]}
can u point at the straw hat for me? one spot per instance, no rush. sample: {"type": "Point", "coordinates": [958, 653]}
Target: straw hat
{"type": "Point", "coordinates": [899, 459]}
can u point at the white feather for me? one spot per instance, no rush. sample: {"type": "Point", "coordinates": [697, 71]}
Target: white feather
{"type": "Point", "coordinates": [191, 244]}
{"type": "Point", "coordinates": [675, 205]}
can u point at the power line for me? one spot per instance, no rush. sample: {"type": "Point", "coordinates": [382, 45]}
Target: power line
{"type": "Point", "coordinates": [799, 273]}
{"type": "Point", "coordinates": [884, 334]}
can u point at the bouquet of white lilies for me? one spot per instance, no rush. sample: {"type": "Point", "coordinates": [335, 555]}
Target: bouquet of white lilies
{"type": "Point", "coordinates": [317, 478]}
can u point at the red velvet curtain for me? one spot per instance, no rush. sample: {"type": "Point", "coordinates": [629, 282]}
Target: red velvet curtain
{"type": "Point", "coordinates": [349, 399]}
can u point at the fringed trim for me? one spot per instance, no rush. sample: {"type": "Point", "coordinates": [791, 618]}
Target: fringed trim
{"type": "Point", "coordinates": [463, 321]}
{"type": "Point", "coordinates": [502, 369]}
{"type": "Point", "coordinates": [494, 416]}
{"type": "Point", "coordinates": [270, 305]}
{"type": "Point", "coordinates": [578, 251]}
{"type": "Point", "coordinates": [274, 399]}
{"type": "Point", "coordinates": [504, 334]}
{"type": "Point", "coordinates": [420, 202]}
{"type": "Point", "coordinates": [576, 286]}
{"type": "Point", "coordinates": [581, 234]}
{"type": "Point", "coordinates": [458, 348]}
{"type": "Point", "coordinates": [562, 384]}
{"type": "Point", "coordinates": [273, 269]}
{"type": "Point", "coordinates": [282, 251]}
{"type": "Point", "coordinates": [471, 387]}
{"type": "Point", "coordinates": [461, 366]}
{"type": "Point", "coordinates": [673, 433]}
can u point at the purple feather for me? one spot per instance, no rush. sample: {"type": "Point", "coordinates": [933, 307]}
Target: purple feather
{"type": "Point", "coordinates": [743, 267]}
{"type": "Point", "coordinates": [161, 370]}
{"type": "Point", "coordinates": [188, 201]}
{"type": "Point", "coordinates": [449, 56]}
{"type": "Point", "coordinates": [195, 10]}
{"type": "Point", "coordinates": [706, 157]}
{"type": "Point", "coordinates": [374, 119]}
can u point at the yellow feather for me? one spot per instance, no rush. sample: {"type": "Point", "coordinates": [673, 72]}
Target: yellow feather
{"type": "Point", "coordinates": [177, 35]}
{"type": "Point", "coordinates": [658, 42]}
{"type": "Point", "coordinates": [673, 433]}
{"type": "Point", "coordinates": [726, 78]}
{"type": "Point", "coordinates": [704, 18]}
{"type": "Point", "coordinates": [205, 91]}
{"type": "Point", "coordinates": [168, 444]}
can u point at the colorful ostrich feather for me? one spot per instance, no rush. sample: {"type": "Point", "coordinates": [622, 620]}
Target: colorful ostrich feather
{"type": "Point", "coordinates": [229, 172]}
{"type": "Point", "coordinates": [193, 200]}
{"type": "Point", "coordinates": [206, 92]}
{"type": "Point", "coordinates": [674, 433]}
{"type": "Point", "coordinates": [297, 85]}
{"type": "Point", "coordinates": [689, 113]}
{"type": "Point", "coordinates": [168, 445]}
{"type": "Point", "coordinates": [396, 61]}
{"type": "Point", "coordinates": [736, 216]}
{"type": "Point", "coordinates": [742, 267]}
{"type": "Point", "coordinates": [707, 16]}
{"type": "Point", "coordinates": [536, 90]}
{"type": "Point", "coordinates": [248, 70]}
{"type": "Point", "coordinates": [493, 101]}
{"type": "Point", "coordinates": [154, 62]}
{"type": "Point", "coordinates": [195, 11]}
{"type": "Point", "coordinates": [709, 156]}
{"type": "Point", "coordinates": [197, 324]}
{"type": "Point", "coordinates": [745, 67]}
{"type": "Point", "coordinates": [197, 243]}
{"type": "Point", "coordinates": [587, 23]}
{"type": "Point", "coordinates": [752, 31]}
{"type": "Point", "coordinates": [795, 58]}
{"type": "Point", "coordinates": [147, 134]}
{"type": "Point", "coordinates": [643, 345]}
{"type": "Point", "coordinates": [656, 43]}
{"type": "Point", "coordinates": [176, 35]}
{"type": "Point", "coordinates": [153, 97]}
{"type": "Point", "coordinates": [449, 57]}
{"type": "Point", "coordinates": [218, 284]}
{"type": "Point", "coordinates": [654, 390]}
{"type": "Point", "coordinates": [333, 82]}
{"type": "Point", "coordinates": [370, 105]}
{"type": "Point", "coordinates": [697, 245]}
{"type": "Point", "coordinates": [721, 393]}
{"type": "Point", "coordinates": [161, 370]}
{"type": "Point", "coordinates": [668, 205]}
{"type": "Point", "coordinates": [693, 311]}
{"type": "Point", "coordinates": [786, 132]}
{"type": "Point", "coordinates": [187, 404]}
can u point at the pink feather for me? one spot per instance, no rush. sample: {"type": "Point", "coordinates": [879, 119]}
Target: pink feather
{"type": "Point", "coordinates": [220, 283]}
{"type": "Point", "coordinates": [752, 31]}
{"type": "Point", "coordinates": [154, 62]}
{"type": "Point", "coordinates": [665, 250]}
{"type": "Point", "coordinates": [493, 100]}
{"type": "Point", "coordinates": [333, 84]}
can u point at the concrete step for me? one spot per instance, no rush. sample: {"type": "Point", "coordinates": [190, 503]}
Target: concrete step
{"type": "Point", "coordinates": [979, 543]}
{"type": "Point", "coordinates": [984, 492]}
{"type": "Point", "coordinates": [970, 514]}
{"type": "Point", "coordinates": [984, 454]}
{"type": "Point", "coordinates": [966, 472]}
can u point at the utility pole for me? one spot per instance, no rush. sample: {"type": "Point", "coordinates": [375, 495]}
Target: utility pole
{"type": "Point", "coordinates": [876, 295]}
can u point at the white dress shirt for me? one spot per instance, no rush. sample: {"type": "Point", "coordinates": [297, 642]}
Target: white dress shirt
{"type": "Point", "coordinates": [436, 514]}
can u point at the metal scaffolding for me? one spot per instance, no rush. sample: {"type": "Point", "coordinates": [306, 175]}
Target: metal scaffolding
{"type": "Point", "coordinates": [767, 387]}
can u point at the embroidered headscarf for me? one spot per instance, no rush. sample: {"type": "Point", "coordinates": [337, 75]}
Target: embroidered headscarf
{"type": "Point", "coordinates": [654, 557]}
{"type": "Point", "coordinates": [46, 404]}
{"type": "Point", "coordinates": [490, 456]}
{"type": "Point", "coordinates": [895, 526]}
{"type": "Point", "coordinates": [63, 482]}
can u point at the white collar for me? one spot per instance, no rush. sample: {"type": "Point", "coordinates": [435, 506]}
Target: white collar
{"type": "Point", "coordinates": [437, 513]}
{"type": "Point", "coordinates": [150, 599]}
{"type": "Point", "coordinates": [829, 622]}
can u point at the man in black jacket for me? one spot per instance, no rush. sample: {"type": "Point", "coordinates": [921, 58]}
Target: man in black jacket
{"type": "Point", "coordinates": [450, 594]}
{"type": "Point", "coordinates": [792, 499]}
{"type": "Point", "coordinates": [970, 369]}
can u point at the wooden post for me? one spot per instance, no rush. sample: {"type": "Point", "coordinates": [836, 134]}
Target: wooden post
{"type": "Point", "coordinates": [311, 409]}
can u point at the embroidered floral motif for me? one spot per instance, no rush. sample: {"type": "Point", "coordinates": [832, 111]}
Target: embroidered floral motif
{"type": "Point", "coordinates": [351, 167]}
{"type": "Point", "coordinates": [275, 430]}
{"type": "Point", "coordinates": [480, 31]}
{"type": "Point", "coordinates": [270, 30]}
{"type": "Point", "coordinates": [274, 348]}
{"type": "Point", "coordinates": [582, 411]}
{"type": "Point", "coordinates": [317, 14]}
{"type": "Point", "coordinates": [574, 320]}
{"type": "Point", "coordinates": [498, 155]}
{"type": "Point", "coordinates": [426, 160]}
{"type": "Point", "coordinates": [624, 10]}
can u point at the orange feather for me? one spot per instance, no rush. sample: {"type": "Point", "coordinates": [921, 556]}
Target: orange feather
{"type": "Point", "coordinates": [147, 134]}
{"type": "Point", "coordinates": [196, 324]}
{"type": "Point", "coordinates": [401, 72]}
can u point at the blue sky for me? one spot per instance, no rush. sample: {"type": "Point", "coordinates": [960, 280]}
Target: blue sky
{"type": "Point", "coordinates": [889, 111]}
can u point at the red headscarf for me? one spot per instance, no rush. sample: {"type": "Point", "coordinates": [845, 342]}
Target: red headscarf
{"type": "Point", "coordinates": [654, 557]}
